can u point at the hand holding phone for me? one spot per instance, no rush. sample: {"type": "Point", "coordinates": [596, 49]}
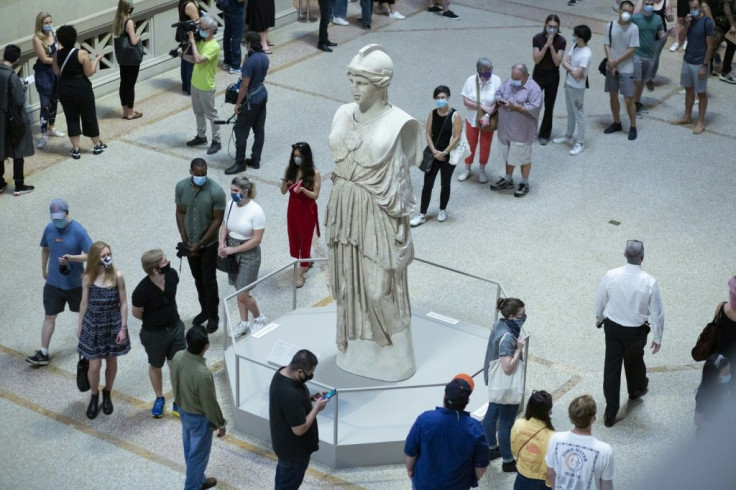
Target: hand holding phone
{"type": "Point", "coordinates": [329, 394]}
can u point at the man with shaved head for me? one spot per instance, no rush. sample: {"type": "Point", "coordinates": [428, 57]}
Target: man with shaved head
{"type": "Point", "coordinates": [628, 305]}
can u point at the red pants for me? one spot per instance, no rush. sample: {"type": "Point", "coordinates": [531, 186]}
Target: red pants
{"type": "Point", "coordinates": [486, 137]}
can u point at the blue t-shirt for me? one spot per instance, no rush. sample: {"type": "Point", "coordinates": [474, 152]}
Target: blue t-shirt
{"type": "Point", "coordinates": [448, 448]}
{"type": "Point", "coordinates": [255, 68]}
{"type": "Point", "coordinates": [697, 45]}
{"type": "Point", "coordinates": [72, 240]}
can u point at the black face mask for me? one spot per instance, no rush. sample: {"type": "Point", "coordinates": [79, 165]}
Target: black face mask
{"type": "Point", "coordinates": [307, 377]}
{"type": "Point", "coordinates": [165, 269]}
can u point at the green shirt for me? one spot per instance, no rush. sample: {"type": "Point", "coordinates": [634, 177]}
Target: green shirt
{"type": "Point", "coordinates": [194, 387]}
{"type": "Point", "coordinates": [199, 206]}
{"type": "Point", "coordinates": [649, 28]}
{"type": "Point", "coordinates": [203, 76]}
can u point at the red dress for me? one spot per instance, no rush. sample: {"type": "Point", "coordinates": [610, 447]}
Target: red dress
{"type": "Point", "coordinates": [301, 220]}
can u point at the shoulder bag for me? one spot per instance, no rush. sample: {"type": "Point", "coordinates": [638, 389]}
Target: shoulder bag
{"type": "Point", "coordinates": [708, 338]}
{"type": "Point", "coordinates": [126, 53]}
{"type": "Point", "coordinates": [66, 60]}
{"type": "Point", "coordinates": [528, 441]}
{"type": "Point", "coordinates": [602, 66]}
{"type": "Point", "coordinates": [505, 389]}
{"type": "Point", "coordinates": [428, 156]}
{"type": "Point", "coordinates": [228, 264]}
{"type": "Point", "coordinates": [489, 123]}
{"type": "Point", "coordinates": [82, 368]}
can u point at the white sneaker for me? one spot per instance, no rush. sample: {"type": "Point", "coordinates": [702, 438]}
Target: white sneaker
{"type": "Point", "coordinates": [464, 175]}
{"type": "Point", "coordinates": [42, 141]}
{"type": "Point", "coordinates": [576, 149]}
{"type": "Point", "coordinates": [259, 322]}
{"type": "Point", "coordinates": [442, 215]}
{"type": "Point", "coordinates": [482, 175]}
{"type": "Point", "coordinates": [417, 220]}
{"type": "Point", "coordinates": [674, 47]}
{"type": "Point", "coordinates": [234, 70]}
{"type": "Point", "coordinates": [55, 132]}
{"type": "Point", "coordinates": [241, 329]}
{"type": "Point", "coordinates": [396, 15]}
{"type": "Point", "coordinates": [562, 139]}
{"type": "Point", "coordinates": [340, 21]}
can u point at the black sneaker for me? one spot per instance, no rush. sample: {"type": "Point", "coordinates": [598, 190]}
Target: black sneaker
{"type": "Point", "coordinates": [331, 44]}
{"type": "Point", "coordinates": [197, 141]}
{"type": "Point", "coordinates": [212, 325]}
{"type": "Point", "coordinates": [571, 3]}
{"type": "Point", "coordinates": [99, 148]}
{"type": "Point", "coordinates": [434, 8]}
{"type": "Point", "coordinates": [214, 148]}
{"type": "Point", "coordinates": [650, 85]}
{"type": "Point", "coordinates": [522, 190]}
{"type": "Point", "coordinates": [365, 27]}
{"type": "Point", "coordinates": [38, 359]}
{"type": "Point", "coordinates": [252, 164]}
{"type": "Point", "coordinates": [450, 15]}
{"type": "Point", "coordinates": [509, 467]}
{"type": "Point", "coordinates": [200, 319]}
{"type": "Point", "coordinates": [613, 128]}
{"type": "Point", "coordinates": [640, 109]}
{"type": "Point", "coordinates": [23, 189]}
{"type": "Point", "coordinates": [609, 420]}
{"type": "Point", "coordinates": [638, 394]}
{"type": "Point", "coordinates": [632, 134]}
{"type": "Point", "coordinates": [236, 168]}
{"type": "Point", "coordinates": [325, 48]}
{"type": "Point", "coordinates": [75, 154]}
{"type": "Point", "coordinates": [502, 184]}
{"type": "Point", "coordinates": [494, 454]}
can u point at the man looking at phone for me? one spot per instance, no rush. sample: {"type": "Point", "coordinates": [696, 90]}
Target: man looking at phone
{"type": "Point", "coordinates": [293, 419]}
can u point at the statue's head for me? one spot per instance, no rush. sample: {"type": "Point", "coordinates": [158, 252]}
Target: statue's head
{"type": "Point", "coordinates": [373, 65]}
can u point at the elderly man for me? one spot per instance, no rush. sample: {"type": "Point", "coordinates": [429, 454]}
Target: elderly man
{"type": "Point", "coordinates": [446, 447]}
{"type": "Point", "coordinates": [627, 297]}
{"type": "Point", "coordinates": [519, 101]}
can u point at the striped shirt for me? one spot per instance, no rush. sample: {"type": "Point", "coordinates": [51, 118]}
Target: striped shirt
{"type": "Point", "coordinates": [514, 125]}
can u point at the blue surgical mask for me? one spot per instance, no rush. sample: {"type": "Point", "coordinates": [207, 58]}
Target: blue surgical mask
{"type": "Point", "coordinates": [515, 83]}
{"type": "Point", "coordinates": [441, 103]}
{"type": "Point", "coordinates": [648, 9]}
{"type": "Point", "coordinates": [298, 161]}
{"type": "Point", "coordinates": [47, 28]}
{"type": "Point", "coordinates": [551, 30]}
{"type": "Point", "coordinates": [199, 181]}
{"type": "Point", "coordinates": [724, 379]}
{"type": "Point", "coordinates": [107, 261]}
{"type": "Point", "coordinates": [203, 34]}
{"type": "Point", "coordinates": [694, 13]}
{"type": "Point", "coordinates": [60, 223]}
{"type": "Point", "coordinates": [236, 197]}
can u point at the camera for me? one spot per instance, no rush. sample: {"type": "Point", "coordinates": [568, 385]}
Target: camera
{"type": "Point", "coordinates": [181, 35]}
{"type": "Point", "coordinates": [188, 25]}
{"type": "Point", "coordinates": [231, 93]}
{"type": "Point", "coordinates": [182, 250]}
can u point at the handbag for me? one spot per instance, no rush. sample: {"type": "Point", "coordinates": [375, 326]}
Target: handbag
{"type": "Point", "coordinates": [505, 389]}
{"type": "Point", "coordinates": [126, 53]}
{"type": "Point", "coordinates": [461, 150]}
{"type": "Point", "coordinates": [489, 124]}
{"type": "Point", "coordinates": [602, 66]}
{"type": "Point", "coordinates": [428, 155]}
{"type": "Point", "coordinates": [82, 368]}
{"type": "Point", "coordinates": [708, 338]}
{"type": "Point", "coordinates": [228, 264]}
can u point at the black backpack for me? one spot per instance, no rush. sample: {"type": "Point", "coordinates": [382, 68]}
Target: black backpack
{"type": "Point", "coordinates": [15, 126]}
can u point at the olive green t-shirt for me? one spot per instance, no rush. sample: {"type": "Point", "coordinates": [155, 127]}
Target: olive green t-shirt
{"type": "Point", "coordinates": [198, 207]}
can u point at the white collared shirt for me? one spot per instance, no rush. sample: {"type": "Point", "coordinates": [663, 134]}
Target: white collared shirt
{"type": "Point", "coordinates": [487, 95]}
{"type": "Point", "coordinates": [629, 296]}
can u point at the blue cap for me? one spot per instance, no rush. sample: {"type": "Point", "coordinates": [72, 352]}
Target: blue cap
{"type": "Point", "coordinates": [58, 209]}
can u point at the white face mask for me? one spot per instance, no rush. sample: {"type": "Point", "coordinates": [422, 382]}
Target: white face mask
{"type": "Point", "coordinates": [298, 161]}
{"type": "Point", "coordinates": [625, 16]}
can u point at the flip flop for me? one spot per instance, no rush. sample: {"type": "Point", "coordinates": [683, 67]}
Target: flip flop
{"type": "Point", "coordinates": [270, 43]}
{"type": "Point", "coordinates": [135, 115]}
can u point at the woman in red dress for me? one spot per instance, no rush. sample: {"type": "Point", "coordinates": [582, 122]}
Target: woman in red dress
{"type": "Point", "coordinates": [303, 182]}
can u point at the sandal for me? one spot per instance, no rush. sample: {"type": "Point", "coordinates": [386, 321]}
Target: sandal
{"type": "Point", "coordinates": [135, 115]}
{"type": "Point", "coordinates": [267, 51]}
{"type": "Point", "coordinates": [299, 282]}
{"type": "Point", "coordinates": [268, 41]}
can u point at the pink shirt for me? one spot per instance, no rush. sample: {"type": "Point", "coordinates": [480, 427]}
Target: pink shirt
{"type": "Point", "coordinates": [517, 126]}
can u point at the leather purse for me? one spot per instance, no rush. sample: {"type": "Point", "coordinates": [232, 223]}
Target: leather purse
{"type": "Point", "coordinates": [126, 53]}
{"type": "Point", "coordinates": [708, 338]}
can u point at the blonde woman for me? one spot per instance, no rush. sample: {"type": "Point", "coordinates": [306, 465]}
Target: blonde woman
{"type": "Point", "coordinates": [125, 26]}
{"type": "Point", "coordinates": [102, 328]}
{"type": "Point", "coordinates": [44, 44]}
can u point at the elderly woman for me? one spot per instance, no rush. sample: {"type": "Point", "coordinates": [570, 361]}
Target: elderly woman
{"type": "Point", "coordinates": [74, 67]}
{"type": "Point", "coordinates": [123, 25]}
{"type": "Point", "coordinates": [479, 92]}
{"type": "Point", "coordinates": [373, 143]}
{"type": "Point", "coordinates": [504, 345]}
{"type": "Point", "coordinates": [44, 45]}
{"type": "Point", "coordinates": [240, 235]}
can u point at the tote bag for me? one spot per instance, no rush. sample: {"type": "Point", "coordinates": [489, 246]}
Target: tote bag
{"type": "Point", "coordinates": [503, 388]}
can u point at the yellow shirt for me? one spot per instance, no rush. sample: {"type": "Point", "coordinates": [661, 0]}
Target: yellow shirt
{"type": "Point", "coordinates": [203, 75]}
{"type": "Point", "coordinates": [530, 462]}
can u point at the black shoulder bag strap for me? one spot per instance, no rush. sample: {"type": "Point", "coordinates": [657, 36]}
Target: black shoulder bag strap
{"type": "Point", "coordinates": [442, 128]}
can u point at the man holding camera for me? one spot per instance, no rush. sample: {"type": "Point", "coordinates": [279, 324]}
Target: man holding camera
{"type": "Point", "coordinates": [200, 206]}
{"type": "Point", "coordinates": [204, 55]}
{"type": "Point", "coordinates": [251, 106]}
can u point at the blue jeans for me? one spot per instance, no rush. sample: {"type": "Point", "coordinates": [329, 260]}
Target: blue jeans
{"type": "Point", "coordinates": [290, 472]}
{"type": "Point", "coordinates": [524, 483]}
{"type": "Point", "coordinates": [186, 76]}
{"type": "Point", "coordinates": [340, 9]}
{"type": "Point", "coordinates": [232, 36]}
{"type": "Point", "coordinates": [505, 415]}
{"type": "Point", "coordinates": [366, 11]}
{"type": "Point", "coordinates": [196, 434]}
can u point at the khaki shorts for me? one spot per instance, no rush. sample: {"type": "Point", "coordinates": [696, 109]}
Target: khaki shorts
{"type": "Point", "coordinates": [516, 152]}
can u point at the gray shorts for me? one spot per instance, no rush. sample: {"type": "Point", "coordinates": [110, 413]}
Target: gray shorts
{"type": "Point", "coordinates": [622, 82]}
{"type": "Point", "coordinates": [162, 343]}
{"type": "Point", "coordinates": [249, 262]}
{"type": "Point", "coordinates": [689, 77]}
{"type": "Point", "coordinates": [643, 68]}
{"type": "Point", "coordinates": [516, 152]}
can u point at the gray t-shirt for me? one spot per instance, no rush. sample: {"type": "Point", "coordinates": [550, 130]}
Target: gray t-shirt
{"type": "Point", "coordinates": [622, 38]}
{"type": "Point", "coordinates": [499, 344]}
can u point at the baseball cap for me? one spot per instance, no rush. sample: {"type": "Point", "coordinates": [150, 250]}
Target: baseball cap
{"type": "Point", "coordinates": [58, 209]}
{"type": "Point", "coordinates": [458, 391]}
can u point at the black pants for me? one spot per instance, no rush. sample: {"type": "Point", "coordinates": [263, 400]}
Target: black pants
{"type": "Point", "coordinates": [80, 106]}
{"type": "Point", "coordinates": [251, 116]}
{"type": "Point", "coordinates": [548, 81]}
{"type": "Point", "coordinates": [445, 170]}
{"type": "Point", "coordinates": [128, 77]}
{"type": "Point", "coordinates": [728, 57]}
{"type": "Point", "coordinates": [204, 271]}
{"type": "Point", "coordinates": [325, 15]}
{"type": "Point", "coordinates": [623, 344]}
{"type": "Point", "coordinates": [17, 172]}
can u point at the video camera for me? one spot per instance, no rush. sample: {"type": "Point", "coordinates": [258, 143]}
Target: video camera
{"type": "Point", "coordinates": [182, 28]}
{"type": "Point", "coordinates": [182, 250]}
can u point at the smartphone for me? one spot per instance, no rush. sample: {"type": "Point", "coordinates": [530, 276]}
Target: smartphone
{"type": "Point", "coordinates": [330, 394]}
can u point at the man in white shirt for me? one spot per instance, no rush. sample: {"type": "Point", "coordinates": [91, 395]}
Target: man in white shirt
{"type": "Point", "coordinates": [576, 460]}
{"type": "Point", "coordinates": [626, 305]}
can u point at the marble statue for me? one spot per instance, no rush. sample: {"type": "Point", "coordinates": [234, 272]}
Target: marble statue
{"type": "Point", "coordinates": [373, 144]}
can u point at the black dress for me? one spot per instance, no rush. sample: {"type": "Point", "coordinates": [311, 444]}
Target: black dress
{"type": "Point", "coordinates": [260, 15]}
{"type": "Point", "coordinates": [76, 96]}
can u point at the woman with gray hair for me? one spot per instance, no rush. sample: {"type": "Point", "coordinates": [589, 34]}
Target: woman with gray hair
{"type": "Point", "coordinates": [240, 235]}
{"type": "Point", "coordinates": [478, 94]}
